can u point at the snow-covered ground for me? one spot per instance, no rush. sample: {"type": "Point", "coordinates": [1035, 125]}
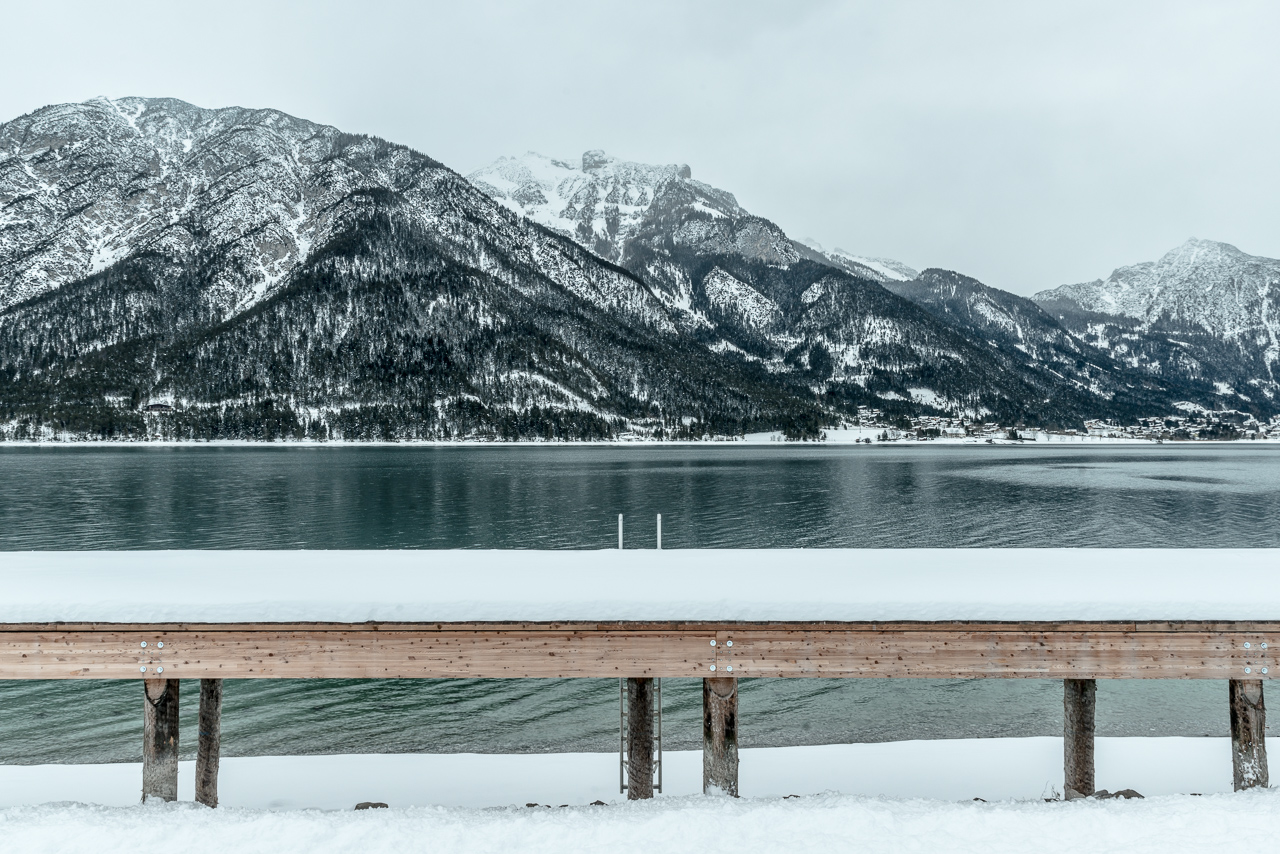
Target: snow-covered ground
{"type": "Point", "coordinates": [695, 584]}
{"type": "Point", "coordinates": [904, 796]}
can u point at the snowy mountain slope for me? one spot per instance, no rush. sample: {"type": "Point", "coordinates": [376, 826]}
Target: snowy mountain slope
{"type": "Point", "coordinates": [268, 276]}
{"type": "Point", "coordinates": [85, 185]}
{"type": "Point", "coordinates": [879, 269]}
{"type": "Point", "coordinates": [1204, 312]}
{"type": "Point", "coordinates": [1024, 332]}
{"type": "Point", "coordinates": [606, 204]}
{"type": "Point", "coordinates": [737, 282]}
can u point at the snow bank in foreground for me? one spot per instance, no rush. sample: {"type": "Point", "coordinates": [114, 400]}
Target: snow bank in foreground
{"type": "Point", "coordinates": [254, 792]}
{"type": "Point", "coordinates": [949, 769]}
{"type": "Point", "coordinates": [821, 823]}
{"type": "Point", "coordinates": [698, 584]}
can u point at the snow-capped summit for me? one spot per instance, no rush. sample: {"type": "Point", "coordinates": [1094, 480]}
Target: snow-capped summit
{"type": "Point", "coordinates": [608, 204]}
{"type": "Point", "coordinates": [880, 269]}
{"type": "Point", "coordinates": [1202, 282]}
{"type": "Point", "coordinates": [600, 201]}
{"type": "Point", "coordinates": [1205, 310]}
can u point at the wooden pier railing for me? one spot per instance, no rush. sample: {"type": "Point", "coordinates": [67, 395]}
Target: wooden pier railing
{"type": "Point", "coordinates": [162, 654]}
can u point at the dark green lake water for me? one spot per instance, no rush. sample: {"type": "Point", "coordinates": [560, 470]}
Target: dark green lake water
{"type": "Point", "coordinates": [569, 497]}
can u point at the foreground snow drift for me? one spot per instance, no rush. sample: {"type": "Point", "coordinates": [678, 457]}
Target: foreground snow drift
{"type": "Point", "coordinates": [949, 769]}
{"type": "Point", "coordinates": [261, 797]}
{"type": "Point", "coordinates": [820, 823]}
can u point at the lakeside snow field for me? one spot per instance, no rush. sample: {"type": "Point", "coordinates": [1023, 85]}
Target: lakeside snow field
{"type": "Point", "coordinates": [897, 796]}
{"type": "Point", "coordinates": [689, 584]}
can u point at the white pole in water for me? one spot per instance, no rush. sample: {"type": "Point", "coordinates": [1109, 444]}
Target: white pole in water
{"type": "Point", "coordinates": [619, 530]}
{"type": "Point", "coordinates": [659, 532]}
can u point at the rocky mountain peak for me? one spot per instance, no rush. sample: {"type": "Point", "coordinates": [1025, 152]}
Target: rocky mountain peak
{"type": "Point", "coordinates": [1204, 311]}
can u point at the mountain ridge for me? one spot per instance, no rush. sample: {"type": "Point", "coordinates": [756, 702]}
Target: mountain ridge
{"type": "Point", "coordinates": [1204, 311]}
{"type": "Point", "coordinates": [270, 277]}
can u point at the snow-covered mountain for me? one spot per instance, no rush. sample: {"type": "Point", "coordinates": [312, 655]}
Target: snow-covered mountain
{"type": "Point", "coordinates": [1019, 328]}
{"type": "Point", "coordinates": [737, 281]}
{"type": "Point", "coordinates": [880, 269]}
{"type": "Point", "coordinates": [269, 276]}
{"type": "Point", "coordinates": [1204, 312]}
{"type": "Point", "coordinates": [606, 204]}
{"type": "Point", "coordinates": [265, 276]}
{"type": "Point", "coordinates": [86, 185]}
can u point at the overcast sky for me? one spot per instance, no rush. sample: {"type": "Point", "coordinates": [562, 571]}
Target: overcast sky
{"type": "Point", "coordinates": [1027, 144]}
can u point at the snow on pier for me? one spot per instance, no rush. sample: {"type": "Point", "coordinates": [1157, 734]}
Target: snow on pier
{"type": "Point", "coordinates": [711, 585]}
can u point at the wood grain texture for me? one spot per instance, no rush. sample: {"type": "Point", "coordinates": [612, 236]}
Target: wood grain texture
{"type": "Point", "coordinates": [720, 736]}
{"type": "Point", "coordinates": [209, 744]}
{"type": "Point", "coordinates": [1248, 734]}
{"type": "Point", "coordinates": [1079, 707]}
{"type": "Point", "coordinates": [642, 650]}
{"type": "Point", "coordinates": [160, 739]}
{"type": "Point", "coordinates": [640, 739]}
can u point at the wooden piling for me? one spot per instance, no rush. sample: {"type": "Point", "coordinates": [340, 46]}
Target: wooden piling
{"type": "Point", "coordinates": [1079, 702]}
{"type": "Point", "coordinates": [720, 736]}
{"type": "Point", "coordinates": [639, 739]}
{"type": "Point", "coordinates": [1248, 734]}
{"type": "Point", "coordinates": [160, 739]}
{"type": "Point", "coordinates": [209, 750]}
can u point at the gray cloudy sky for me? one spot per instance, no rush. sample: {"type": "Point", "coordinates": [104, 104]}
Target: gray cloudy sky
{"type": "Point", "coordinates": [1027, 144]}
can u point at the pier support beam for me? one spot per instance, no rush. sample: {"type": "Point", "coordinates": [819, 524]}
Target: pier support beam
{"type": "Point", "coordinates": [160, 739]}
{"type": "Point", "coordinates": [1248, 734]}
{"type": "Point", "coordinates": [639, 739]}
{"type": "Point", "coordinates": [209, 750]}
{"type": "Point", "coordinates": [720, 736]}
{"type": "Point", "coordinates": [1079, 702]}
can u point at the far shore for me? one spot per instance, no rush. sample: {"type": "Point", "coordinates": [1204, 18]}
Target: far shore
{"type": "Point", "coordinates": [754, 440]}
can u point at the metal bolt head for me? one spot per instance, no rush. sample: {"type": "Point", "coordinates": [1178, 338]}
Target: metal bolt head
{"type": "Point", "coordinates": [142, 670]}
{"type": "Point", "coordinates": [159, 670]}
{"type": "Point", "coordinates": [728, 643]}
{"type": "Point", "coordinates": [713, 643]}
{"type": "Point", "coordinates": [144, 644]}
{"type": "Point", "coordinates": [1247, 644]}
{"type": "Point", "coordinates": [1248, 670]}
{"type": "Point", "coordinates": [160, 644]}
{"type": "Point", "coordinates": [713, 667]}
{"type": "Point", "coordinates": [1264, 644]}
{"type": "Point", "coordinates": [1264, 671]}
{"type": "Point", "coordinates": [729, 668]}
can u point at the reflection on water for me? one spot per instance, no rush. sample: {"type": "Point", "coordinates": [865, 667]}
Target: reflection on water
{"type": "Point", "coordinates": [569, 497]}
{"type": "Point", "coordinates": [101, 721]}
{"type": "Point", "coordinates": [395, 497]}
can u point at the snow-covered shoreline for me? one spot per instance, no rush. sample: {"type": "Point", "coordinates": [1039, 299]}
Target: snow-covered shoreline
{"type": "Point", "coordinates": [995, 769]}
{"type": "Point", "coordinates": [842, 438]}
{"type": "Point", "coordinates": [891, 797]}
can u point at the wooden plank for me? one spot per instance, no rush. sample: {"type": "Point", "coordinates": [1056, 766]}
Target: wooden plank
{"type": "Point", "coordinates": [949, 654]}
{"type": "Point", "coordinates": [1195, 627]}
{"type": "Point", "coordinates": [355, 655]}
{"type": "Point", "coordinates": [927, 650]}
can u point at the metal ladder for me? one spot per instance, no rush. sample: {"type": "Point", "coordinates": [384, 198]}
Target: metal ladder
{"type": "Point", "coordinates": [622, 735]}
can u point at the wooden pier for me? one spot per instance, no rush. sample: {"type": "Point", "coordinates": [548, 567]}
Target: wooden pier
{"type": "Point", "coordinates": [1240, 653]}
